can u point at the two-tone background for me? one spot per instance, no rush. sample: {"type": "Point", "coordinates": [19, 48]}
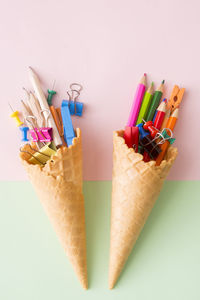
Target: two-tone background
{"type": "Point", "coordinates": [106, 46]}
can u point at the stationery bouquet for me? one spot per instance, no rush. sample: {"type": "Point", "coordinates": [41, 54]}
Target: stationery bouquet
{"type": "Point", "coordinates": [142, 159]}
{"type": "Point", "coordinates": [53, 162]}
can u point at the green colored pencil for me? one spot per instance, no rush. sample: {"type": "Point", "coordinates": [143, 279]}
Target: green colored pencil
{"type": "Point", "coordinates": [145, 104]}
{"type": "Point", "coordinates": [155, 102]}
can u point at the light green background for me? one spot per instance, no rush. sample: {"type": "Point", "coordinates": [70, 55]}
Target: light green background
{"type": "Point", "coordinates": [163, 265]}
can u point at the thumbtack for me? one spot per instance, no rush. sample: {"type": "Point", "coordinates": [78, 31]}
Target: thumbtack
{"type": "Point", "coordinates": [149, 126]}
{"type": "Point", "coordinates": [24, 131]}
{"type": "Point", "coordinates": [51, 93]}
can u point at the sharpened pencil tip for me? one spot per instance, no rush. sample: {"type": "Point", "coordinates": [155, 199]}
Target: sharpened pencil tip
{"type": "Point", "coordinates": [163, 81]}
{"type": "Point", "coordinates": [145, 74]}
{"type": "Point", "coordinates": [152, 83]}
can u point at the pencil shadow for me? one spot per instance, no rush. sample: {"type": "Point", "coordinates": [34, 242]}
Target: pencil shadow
{"type": "Point", "coordinates": [163, 202]}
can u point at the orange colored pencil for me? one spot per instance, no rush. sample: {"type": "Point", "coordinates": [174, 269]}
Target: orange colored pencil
{"type": "Point", "coordinates": [170, 124]}
{"type": "Point", "coordinates": [166, 119]}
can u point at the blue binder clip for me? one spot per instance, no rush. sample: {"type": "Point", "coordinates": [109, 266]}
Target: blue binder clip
{"type": "Point", "coordinates": [69, 133]}
{"type": "Point", "coordinates": [75, 107]}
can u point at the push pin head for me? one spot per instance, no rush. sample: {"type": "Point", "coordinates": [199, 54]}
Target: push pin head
{"type": "Point", "coordinates": [147, 124]}
{"type": "Point", "coordinates": [51, 93]}
{"type": "Point", "coordinates": [15, 116]}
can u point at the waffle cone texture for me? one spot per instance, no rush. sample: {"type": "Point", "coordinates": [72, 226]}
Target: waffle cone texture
{"type": "Point", "coordinates": [135, 188]}
{"type": "Point", "coordinates": [59, 187]}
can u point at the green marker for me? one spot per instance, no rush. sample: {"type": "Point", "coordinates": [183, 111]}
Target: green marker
{"type": "Point", "coordinates": [155, 102]}
{"type": "Point", "coordinates": [145, 104]}
{"type": "Point", "coordinates": [51, 93]}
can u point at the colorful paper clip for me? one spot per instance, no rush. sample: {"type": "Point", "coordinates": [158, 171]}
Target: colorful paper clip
{"type": "Point", "coordinates": [43, 134]}
{"type": "Point", "coordinates": [43, 155]}
{"type": "Point", "coordinates": [39, 157]}
{"type": "Point", "coordinates": [75, 107]}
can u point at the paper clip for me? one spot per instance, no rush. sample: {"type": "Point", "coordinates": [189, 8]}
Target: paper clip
{"type": "Point", "coordinates": [43, 155]}
{"type": "Point", "coordinates": [69, 133]}
{"type": "Point", "coordinates": [31, 123]}
{"type": "Point", "coordinates": [40, 157]}
{"type": "Point", "coordinates": [75, 107]}
{"type": "Point", "coordinates": [45, 122]}
{"type": "Point", "coordinates": [43, 134]}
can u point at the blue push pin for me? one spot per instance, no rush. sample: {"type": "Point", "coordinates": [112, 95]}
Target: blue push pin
{"type": "Point", "coordinates": [143, 133]}
{"type": "Point", "coordinates": [24, 131]}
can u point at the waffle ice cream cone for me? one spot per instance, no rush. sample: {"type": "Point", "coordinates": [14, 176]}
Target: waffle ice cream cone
{"type": "Point", "coordinates": [135, 188]}
{"type": "Point", "coordinates": [59, 187]}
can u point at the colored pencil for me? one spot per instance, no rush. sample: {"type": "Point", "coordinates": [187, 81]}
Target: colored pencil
{"type": "Point", "coordinates": [166, 118]}
{"type": "Point", "coordinates": [160, 115]}
{"type": "Point", "coordinates": [155, 102]}
{"type": "Point", "coordinates": [145, 104]}
{"type": "Point", "coordinates": [170, 124]}
{"type": "Point", "coordinates": [157, 124]}
{"type": "Point", "coordinates": [137, 102]}
{"type": "Point", "coordinates": [165, 100]}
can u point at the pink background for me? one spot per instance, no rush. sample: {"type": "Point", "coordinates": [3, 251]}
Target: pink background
{"type": "Point", "coordinates": [106, 46]}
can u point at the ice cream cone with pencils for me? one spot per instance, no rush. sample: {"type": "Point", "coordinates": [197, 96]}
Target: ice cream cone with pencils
{"type": "Point", "coordinates": [52, 157]}
{"type": "Point", "coordinates": [136, 184]}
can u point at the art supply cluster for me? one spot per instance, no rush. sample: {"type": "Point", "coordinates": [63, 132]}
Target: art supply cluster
{"type": "Point", "coordinates": [152, 121]}
{"type": "Point", "coordinates": [45, 128]}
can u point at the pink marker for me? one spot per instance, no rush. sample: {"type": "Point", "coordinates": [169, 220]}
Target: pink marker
{"type": "Point", "coordinates": [137, 102]}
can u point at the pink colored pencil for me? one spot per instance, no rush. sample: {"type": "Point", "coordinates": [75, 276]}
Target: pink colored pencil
{"type": "Point", "coordinates": [137, 102]}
